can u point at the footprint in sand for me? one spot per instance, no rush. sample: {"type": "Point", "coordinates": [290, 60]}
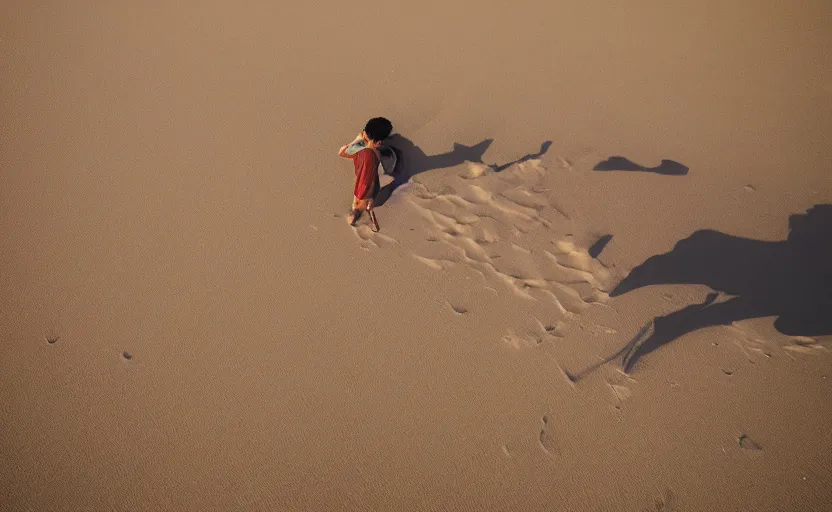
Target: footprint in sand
{"type": "Point", "coordinates": [666, 503]}
{"type": "Point", "coordinates": [365, 237]}
{"type": "Point", "coordinates": [456, 308]}
{"type": "Point", "coordinates": [556, 329]}
{"type": "Point", "coordinates": [621, 393]}
{"type": "Point", "coordinates": [747, 443]}
{"type": "Point", "coordinates": [518, 341]}
{"type": "Point", "coordinates": [547, 440]}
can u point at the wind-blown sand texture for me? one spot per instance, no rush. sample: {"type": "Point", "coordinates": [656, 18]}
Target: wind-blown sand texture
{"type": "Point", "coordinates": [602, 280]}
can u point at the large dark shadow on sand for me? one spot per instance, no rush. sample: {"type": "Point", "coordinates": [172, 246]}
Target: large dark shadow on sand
{"type": "Point", "coordinates": [414, 161]}
{"type": "Point", "coordinates": [619, 163]}
{"type": "Point", "coordinates": [790, 279]}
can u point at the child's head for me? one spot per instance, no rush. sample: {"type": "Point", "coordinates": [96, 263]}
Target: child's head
{"type": "Point", "coordinates": [377, 129]}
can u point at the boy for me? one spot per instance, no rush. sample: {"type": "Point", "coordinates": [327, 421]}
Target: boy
{"type": "Point", "coordinates": [363, 152]}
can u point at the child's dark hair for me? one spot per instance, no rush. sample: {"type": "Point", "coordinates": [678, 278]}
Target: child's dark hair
{"type": "Point", "coordinates": [378, 128]}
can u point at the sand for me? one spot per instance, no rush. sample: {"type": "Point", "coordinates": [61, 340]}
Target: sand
{"type": "Point", "coordinates": [604, 286]}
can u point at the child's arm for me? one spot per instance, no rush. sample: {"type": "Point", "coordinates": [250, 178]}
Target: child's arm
{"type": "Point", "coordinates": [343, 151]}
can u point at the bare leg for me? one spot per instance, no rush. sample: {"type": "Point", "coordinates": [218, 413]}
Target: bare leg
{"type": "Point", "coordinates": [355, 214]}
{"type": "Point", "coordinates": [372, 215]}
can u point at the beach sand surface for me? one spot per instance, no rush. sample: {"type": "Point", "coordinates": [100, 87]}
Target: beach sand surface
{"type": "Point", "coordinates": [604, 286]}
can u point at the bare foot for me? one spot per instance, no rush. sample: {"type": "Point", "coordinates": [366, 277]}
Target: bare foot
{"type": "Point", "coordinates": [352, 217]}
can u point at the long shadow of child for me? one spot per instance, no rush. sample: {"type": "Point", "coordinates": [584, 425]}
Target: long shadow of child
{"type": "Point", "coordinates": [412, 161]}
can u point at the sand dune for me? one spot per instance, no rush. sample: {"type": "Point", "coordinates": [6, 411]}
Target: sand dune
{"type": "Point", "coordinates": [601, 283]}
